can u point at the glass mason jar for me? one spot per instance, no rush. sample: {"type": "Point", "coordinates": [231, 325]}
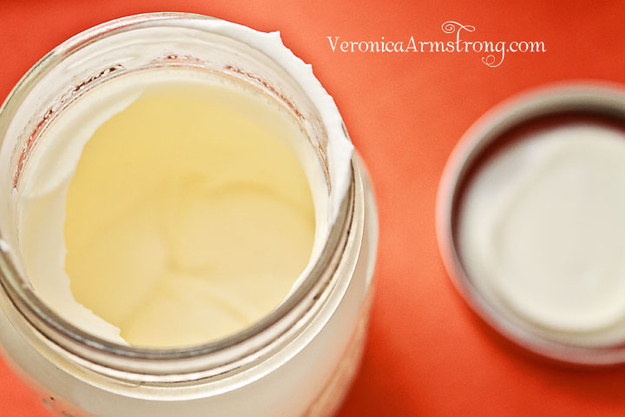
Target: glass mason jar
{"type": "Point", "coordinates": [297, 361]}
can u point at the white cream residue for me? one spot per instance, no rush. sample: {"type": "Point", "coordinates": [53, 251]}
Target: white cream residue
{"type": "Point", "coordinates": [42, 202]}
{"type": "Point", "coordinates": [542, 231]}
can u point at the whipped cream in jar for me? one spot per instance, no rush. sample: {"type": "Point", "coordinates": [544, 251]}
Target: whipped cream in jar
{"type": "Point", "coordinates": [186, 227]}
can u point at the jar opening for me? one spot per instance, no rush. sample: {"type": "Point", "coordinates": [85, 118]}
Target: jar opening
{"type": "Point", "coordinates": [123, 47]}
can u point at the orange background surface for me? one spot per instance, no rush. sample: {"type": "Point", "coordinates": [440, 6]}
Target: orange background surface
{"type": "Point", "coordinates": [427, 354]}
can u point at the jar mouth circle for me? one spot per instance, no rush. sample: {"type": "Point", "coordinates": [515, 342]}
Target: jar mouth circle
{"type": "Point", "coordinates": [98, 350]}
{"type": "Point", "coordinates": [556, 105]}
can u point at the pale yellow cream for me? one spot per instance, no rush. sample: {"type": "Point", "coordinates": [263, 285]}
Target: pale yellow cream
{"type": "Point", "coordinates": [188, 216]}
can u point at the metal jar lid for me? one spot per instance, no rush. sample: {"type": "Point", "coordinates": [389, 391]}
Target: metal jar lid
{"type": "Point", "coordinates": [585, 100]}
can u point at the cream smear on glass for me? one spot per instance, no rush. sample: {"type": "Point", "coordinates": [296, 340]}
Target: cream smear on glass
{"type": "Point", "coordinates": [169, 208]}
{"type": "Point", "coordinates": [542, 232]}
